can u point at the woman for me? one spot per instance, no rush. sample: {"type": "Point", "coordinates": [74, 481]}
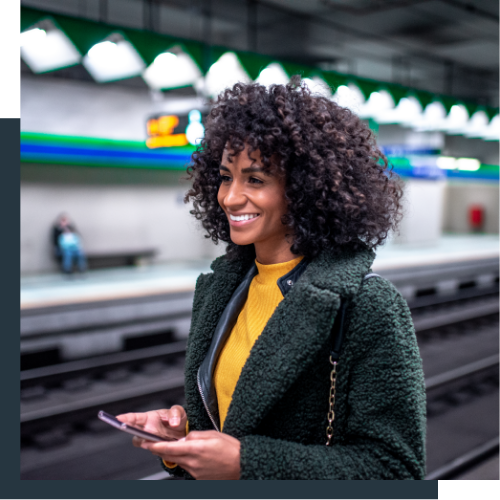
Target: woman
{"type": "Point", "coordinates": [296, 186]}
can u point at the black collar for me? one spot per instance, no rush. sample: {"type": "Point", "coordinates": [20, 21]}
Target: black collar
{"type": "Point", "coordinates": [286, 282]}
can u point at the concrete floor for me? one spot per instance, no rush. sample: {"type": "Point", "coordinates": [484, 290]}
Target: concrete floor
{"type": "Point", "coordinates": [107, 284]}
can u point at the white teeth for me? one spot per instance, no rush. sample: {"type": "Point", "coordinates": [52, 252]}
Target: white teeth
{"type": "Point", "coordinates": [239, 218]}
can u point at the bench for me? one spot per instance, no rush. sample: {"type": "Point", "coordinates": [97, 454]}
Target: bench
{"type": "Point", "coordinates": [104, 259]}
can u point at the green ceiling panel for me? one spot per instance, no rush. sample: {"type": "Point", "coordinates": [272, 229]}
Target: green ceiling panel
{"type": "Point", "coordinates": [367, 86]}
{"type": "Point", "coordinates": [397, 91]}
{"type": "Point", "coordinates": [424, 97]}
{"type": "Point", "coordinates": [195, 50]}
{"type": "Point", "coordinates": [149, 45]}
{"type": "Point", "coordinates": [253, 63]}
{"type": "Point", "coordinates": [298, 69]}
{"type": "Point", "coordinates": [471, 107]}
{"type": "Point", "coordinates": [334, 80]}
{"type": "Point", "coordinates": [30, 16]}
{"type": "Point", "coordinates": [86, 33]}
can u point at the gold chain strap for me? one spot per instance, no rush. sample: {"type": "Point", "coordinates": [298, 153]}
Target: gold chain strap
{"type": "Point", "coordinates": [331, 413]}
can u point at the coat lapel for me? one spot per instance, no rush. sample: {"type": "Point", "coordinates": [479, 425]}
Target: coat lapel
{"type": "Point", "coordinates": [299, 327]}
{"type": "Point", "coordinates": [213, 292]}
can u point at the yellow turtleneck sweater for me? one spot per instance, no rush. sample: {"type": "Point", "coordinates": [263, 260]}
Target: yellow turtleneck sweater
{"type": "Point", "coordinates": [264, 296]}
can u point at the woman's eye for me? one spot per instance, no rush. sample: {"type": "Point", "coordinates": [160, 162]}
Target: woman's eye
{"type": "Point", "coordinates": [225, 178]}
{"type": "Point", "coordinates": [254, 180]}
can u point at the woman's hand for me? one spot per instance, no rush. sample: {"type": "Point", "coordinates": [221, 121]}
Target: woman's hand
{"type": "Point", "coordinates": [204, 454]}
{"type": "Point", "coordinates": [164, 423]}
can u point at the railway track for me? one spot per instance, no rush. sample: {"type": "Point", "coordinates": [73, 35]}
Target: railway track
{"type": "Point", "coordinates": [59, 402]}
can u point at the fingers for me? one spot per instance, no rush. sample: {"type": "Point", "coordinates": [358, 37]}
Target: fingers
{"type": "Point", "coordinates": [174, 416]}
{"type": "Point", "coordinates": [137, 441]}
{"type": "Point", "coordinates": [173, 451]}
{"type": "Point", "coordinates": [135, 419]}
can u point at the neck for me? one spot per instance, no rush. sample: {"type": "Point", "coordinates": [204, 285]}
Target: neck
{"type": "Point", "coordinates": [273, 254]}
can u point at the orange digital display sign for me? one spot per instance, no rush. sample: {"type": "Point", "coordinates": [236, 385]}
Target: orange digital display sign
{"type": "Point", "coordinates": [161, 132]}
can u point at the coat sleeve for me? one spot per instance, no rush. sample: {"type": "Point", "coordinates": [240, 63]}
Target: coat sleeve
{"type": "Point", "coordinates": [381, 434]}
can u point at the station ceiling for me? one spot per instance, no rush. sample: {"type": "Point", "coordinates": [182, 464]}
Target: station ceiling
{"type": "Point", "coordinates": [444, 46]}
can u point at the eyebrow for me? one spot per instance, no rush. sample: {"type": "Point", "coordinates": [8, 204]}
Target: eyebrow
{"type": "Point", "coordinates": [247, 170]}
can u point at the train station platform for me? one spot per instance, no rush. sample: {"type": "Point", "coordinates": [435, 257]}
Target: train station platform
{"type": "Point", "coordinates": [55, 289]}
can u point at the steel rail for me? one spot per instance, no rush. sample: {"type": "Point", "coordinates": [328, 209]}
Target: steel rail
{"type": "Point", "coordinates": [461, 372]}
{"type": "Point", "coordinates": [97, 401]}
{"type": "Point", "coordinates": [453, 316]}
{"type": "Point", "coordinates": [466, 461]}
{"type": "Point", "coordinates": [113, 360]}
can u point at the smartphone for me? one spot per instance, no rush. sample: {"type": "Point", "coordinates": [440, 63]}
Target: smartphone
{"type": "Point", "coordinates": [111, 420]}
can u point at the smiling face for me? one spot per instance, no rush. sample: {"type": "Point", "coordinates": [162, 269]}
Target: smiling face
{"type": "Point", "coordinates": [254, 203]}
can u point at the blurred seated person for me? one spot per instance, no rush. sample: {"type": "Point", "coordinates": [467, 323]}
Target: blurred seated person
{"type": "Point", "coordinates": [59, 226]}
{"type": "Point", "coordinates": [70, 247]}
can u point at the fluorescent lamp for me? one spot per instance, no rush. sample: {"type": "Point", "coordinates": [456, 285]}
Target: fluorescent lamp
{"type": "Point", "coordinates": [456, 121]}
{"type": "Point", "coordinates": [432, 118]}
{"type": "Point", "coordinates": [48, 49]}
{"type": "Point", "coordinates": [171, 70]}
{"type": "Point", "coordinates": [273, 74]}
{"type": "Point", "coordinates": [32, 37]}
{"type": "Point", "coordinates": [224, 73]}
{"type": "Point", "coordinates": [349, 96]}
{"type": "Point", "coordinates": [493, 131]}
{"type": "Point", "coordinates": [113, 59]}
{"type": "Point", "coordinates": [450, 163]}
{"type": "Point", "coordinates": [470, 164]}
{"type": "Point", "coordinates": [378, 104]}
{"type": "Point", "coordinates": [446, 162]}
{"type": "Point", "coordinates": [477, 125]}
{"type": "Point", "coordinates": [318, 86]}
{"type": "Point", "coordinates": [406, 113]}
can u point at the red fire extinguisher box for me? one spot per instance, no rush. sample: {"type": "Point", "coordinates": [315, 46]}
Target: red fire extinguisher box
{"type": "Point", "coordinates": [476, 217]}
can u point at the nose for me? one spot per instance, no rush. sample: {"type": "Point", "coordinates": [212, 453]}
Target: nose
{"type": "Point", "coordinates": [234, 197]}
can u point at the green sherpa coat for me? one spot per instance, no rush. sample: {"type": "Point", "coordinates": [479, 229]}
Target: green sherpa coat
{"type": "Point", "coordinates": [280, 404]}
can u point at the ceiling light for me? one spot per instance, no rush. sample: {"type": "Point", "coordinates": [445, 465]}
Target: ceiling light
{"type": "Point", "coordinates": [113, 59]}
{"type": "Point", "coordinates": [450, 163]}
{"type": "Point", "coordinates": [224, 73]}
{"type": "Point", "coordinates": [377, 105]}
{"type": "Point", "coordinates": [470, 164]}
{"type": "Point", "coordinates": [477, 125]}
{"type": "Point", "coordinates": [274, 74]}
{"type": "Point", "coordinates": [432, 118]}
{"type": "Point", "coordinates": [349, 96]}
{"type": "Point", "coordinates": [493, 130]}
{"type": "Point", "coordinates": [456, 121]}
{"type": "Point", "coordinates": [318, 86]}
{"type": "Point", "coordinates": [406, 113]}
{"type": "Point", "coordinates": [171, 70]}
{"type": "Point", "coordinates": [446, 162]}
{"type": "Point", "coordinates": [47, 48]}
{"type": "Point", "coordinates": [32, 37]}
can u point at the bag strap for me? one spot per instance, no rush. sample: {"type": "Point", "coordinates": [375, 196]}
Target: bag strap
{"type": "Point", "coordinates": [337, 337]}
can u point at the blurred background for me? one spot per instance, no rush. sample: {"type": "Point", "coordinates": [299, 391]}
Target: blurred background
{"type": "Point", "coordinates": [114, 94]}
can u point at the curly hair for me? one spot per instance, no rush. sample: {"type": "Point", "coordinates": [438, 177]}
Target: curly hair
{"type": "Point", "coordinates": [340, 192]}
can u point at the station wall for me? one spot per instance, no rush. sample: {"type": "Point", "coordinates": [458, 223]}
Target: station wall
{"type": "Point", "coordinates": [459, 197]}
{"type": "Point", "coordinates": [113, 210]}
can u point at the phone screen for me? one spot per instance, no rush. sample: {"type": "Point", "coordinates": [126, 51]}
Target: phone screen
{"type": "Point", "coordinates": [113, 421]}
